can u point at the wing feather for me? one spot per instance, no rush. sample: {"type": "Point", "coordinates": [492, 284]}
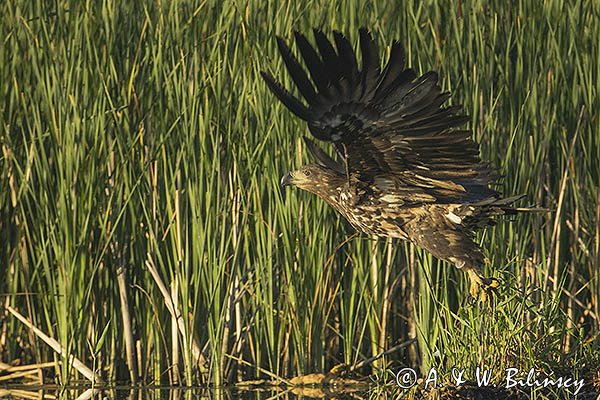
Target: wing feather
{"type": "Point", "coordinates": [388, 125]}
{"type": "Point", "coordinates": [296, 71]}
{"type": "Point", "coordinates": [393, 73]}
{"type": "Point", "coordinates": [330, 60]}
{"type": "Point", "coordinates": [370, 66]}
{"type": "Point", "coordinates": [313, 62]}
{"type": "Point", "coordinates": [346, 55]}
{"type": "Point", "coordinates": [286, 98]}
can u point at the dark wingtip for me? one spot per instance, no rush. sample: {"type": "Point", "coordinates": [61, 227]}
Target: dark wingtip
{"type": "Point", "coordinates": [264, 75]}
{"type": "Point", "coordinates": [296, 71]}
{"type": "Point", "coordinates": [293, 104]}
{"type": "Point", "coordinates": [323, 158]}
{"type": "Point", "coordinates": [317, 31]}
{"type": "Point", "coordinates": [280, 42]}
{"type": "Point", "coordinates": [365, 35]}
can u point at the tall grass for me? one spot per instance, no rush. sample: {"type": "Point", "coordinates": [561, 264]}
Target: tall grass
{"type": "Point", "coordinates": [138, 136]}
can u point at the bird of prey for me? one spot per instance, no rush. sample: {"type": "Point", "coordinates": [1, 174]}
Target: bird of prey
{"type": "Point", "coordinates": [404, 168]}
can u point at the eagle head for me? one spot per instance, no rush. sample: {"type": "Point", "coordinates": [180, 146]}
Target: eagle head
{"type": "Point", "coordinates": [314, 178]}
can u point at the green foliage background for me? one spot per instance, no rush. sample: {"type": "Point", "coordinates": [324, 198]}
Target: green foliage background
{"type": "Point", "coordinates": [139, 134]}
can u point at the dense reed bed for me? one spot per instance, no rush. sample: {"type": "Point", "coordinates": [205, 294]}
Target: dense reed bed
{"type": "Point", "coordinates": [141, 224]}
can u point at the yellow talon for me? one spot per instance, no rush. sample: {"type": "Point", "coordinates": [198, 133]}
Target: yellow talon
{"type": "Point", "coordinates": [482, 287]}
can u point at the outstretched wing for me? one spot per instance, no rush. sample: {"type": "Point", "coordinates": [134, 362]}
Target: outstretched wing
{"type": "Point", "coordinates": [389, 126]}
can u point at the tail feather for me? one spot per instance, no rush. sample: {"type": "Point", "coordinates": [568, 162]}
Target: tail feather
{"type": "Point", "coordinates": [530, 209]}
{"type": "Point", "coordinates": [498, 202]}
{"type": "Point", "coordinates": [488, 209]}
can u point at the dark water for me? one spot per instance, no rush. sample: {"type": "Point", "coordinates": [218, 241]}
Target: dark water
{"type": "Point", "coordinates": [170, 393]}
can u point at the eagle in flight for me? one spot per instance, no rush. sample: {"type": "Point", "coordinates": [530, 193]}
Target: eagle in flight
{"type": "Point", "coordinates": [404, 168]}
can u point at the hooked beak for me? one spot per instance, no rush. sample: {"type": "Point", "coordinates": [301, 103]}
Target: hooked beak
{"type": "Point", "coordinates": [286, 180]}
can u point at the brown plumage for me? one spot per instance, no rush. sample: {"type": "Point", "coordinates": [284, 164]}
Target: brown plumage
{"type": "Point", "coordinates": [405, 169]}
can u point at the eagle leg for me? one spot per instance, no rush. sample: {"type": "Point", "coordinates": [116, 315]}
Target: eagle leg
{"type": "Point", "coordinates": [481, 286]}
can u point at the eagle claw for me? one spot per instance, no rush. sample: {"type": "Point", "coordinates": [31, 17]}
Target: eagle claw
{"type": "Point", "coordinates": [482, 288]}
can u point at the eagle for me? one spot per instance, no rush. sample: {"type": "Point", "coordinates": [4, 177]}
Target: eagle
{"type": "Point", "coordinates": [403, 168]}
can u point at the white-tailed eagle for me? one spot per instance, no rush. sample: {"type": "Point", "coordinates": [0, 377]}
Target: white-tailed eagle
{"type": "Point", "coordinates": [404, 169]}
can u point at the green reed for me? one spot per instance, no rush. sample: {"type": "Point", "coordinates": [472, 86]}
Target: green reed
{"type": "Point", "coordinates": [139, 137]}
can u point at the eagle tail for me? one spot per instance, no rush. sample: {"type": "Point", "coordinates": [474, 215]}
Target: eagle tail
{"type": "Point", "coordinates": [489, 209]}
{"type": "Point", "coordinates": [505, 205]}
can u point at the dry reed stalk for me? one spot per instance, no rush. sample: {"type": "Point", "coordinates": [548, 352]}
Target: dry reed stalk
{"type": "Point", "coordinates": [196, 353]}
{"type": "Point", "coordinates": [555, 243]}
{"type": "Point", "coordinates": [127, 329]}
{"type": "Point", "coordinates": [174, 336]}
{"type": "Point", "coordinates": [57, 347]}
